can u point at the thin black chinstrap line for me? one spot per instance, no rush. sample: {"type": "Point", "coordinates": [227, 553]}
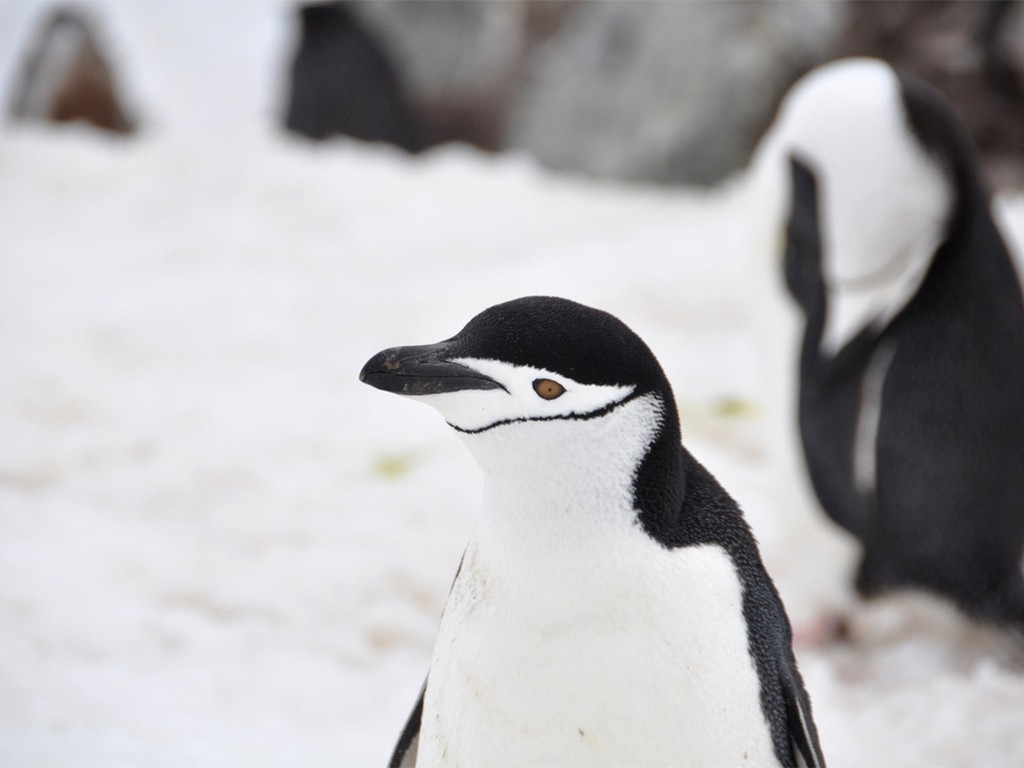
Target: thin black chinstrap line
{"type": "Point", "coordinates": [569, 417]}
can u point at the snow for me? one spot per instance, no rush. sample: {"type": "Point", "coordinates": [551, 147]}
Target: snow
{"type": "Point", "coordinates": [219, 548]}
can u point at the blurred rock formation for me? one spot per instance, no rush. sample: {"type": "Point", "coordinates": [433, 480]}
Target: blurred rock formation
{"type": "Point", "coordinates": [461, 59]}
{"type": "Point", "coordinates": [673, 92]}
{"type": "Point", "coordinates": [663, 91]}
{"type": "Point", "coordinates": [646, 90]}
{"type": "Point", "coordinates": [66, 76]}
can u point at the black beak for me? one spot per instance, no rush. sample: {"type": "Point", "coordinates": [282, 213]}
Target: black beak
{"type": "Point", "coordinates": [421, 371]}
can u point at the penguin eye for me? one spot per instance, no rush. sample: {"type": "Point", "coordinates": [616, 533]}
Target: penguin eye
{"type": "Point", "coordinates": [547, 388]}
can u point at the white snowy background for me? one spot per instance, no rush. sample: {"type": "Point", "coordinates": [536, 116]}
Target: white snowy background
{"type": "Point", "coordinates": [218, 548]}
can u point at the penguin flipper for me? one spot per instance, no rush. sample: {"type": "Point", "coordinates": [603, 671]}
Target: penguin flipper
{"type": "Point", "coordinates": [803, 734]}
{"type": "Point", "coordinates": [404, 755]}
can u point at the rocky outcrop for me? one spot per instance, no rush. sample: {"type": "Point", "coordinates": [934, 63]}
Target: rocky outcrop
{"type": "Point", "coordinates": [672, 92]}
{"type": "Point", "coordinates": [66, 77]}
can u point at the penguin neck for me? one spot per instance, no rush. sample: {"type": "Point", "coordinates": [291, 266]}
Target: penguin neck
{"type": "Point", "coordinates": [660, 488]}
{"type": "Point", "coordinates": [973, 231]}
{"type": "Point", "coordinates": [565, 495]}
{"type": "Point", "coordinates": [970, 228]}
{"type": "Point", "coordinates": [821, 360]}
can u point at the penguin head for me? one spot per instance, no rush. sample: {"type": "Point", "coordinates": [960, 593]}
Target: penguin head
{"type": "Point", "coordinates": [538, 377]}
{"type": "Point", "coordinates": [882, 151]}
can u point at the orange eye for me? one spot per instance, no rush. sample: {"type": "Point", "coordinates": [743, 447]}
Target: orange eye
{"type": "Point", "coordinates": [547, 388]}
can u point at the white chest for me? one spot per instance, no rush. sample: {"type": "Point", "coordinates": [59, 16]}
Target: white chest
{"type": "Point", "coordinates": [641, 660]}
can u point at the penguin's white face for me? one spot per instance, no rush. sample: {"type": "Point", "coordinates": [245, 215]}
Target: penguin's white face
{"type": "Point", "coordinates": [525, 394]}
{"type": "Point", "coordinates": [884, 201]}
{"type": "Point", "coordinates": [540, 387]}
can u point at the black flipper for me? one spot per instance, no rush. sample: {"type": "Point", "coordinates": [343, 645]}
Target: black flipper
{"type": "Point", "coordinates": [802, 732]}
{"type": "Point", "coordinates": [404, 755]}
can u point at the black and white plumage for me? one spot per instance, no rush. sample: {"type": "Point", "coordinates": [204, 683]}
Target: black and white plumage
{"type": "Point", "coordinates": [612, 607]}
{"type": "Point", "coordinates": [911, 407]}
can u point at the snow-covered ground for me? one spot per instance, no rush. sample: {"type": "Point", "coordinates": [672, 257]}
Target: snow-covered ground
{"type": "Point", "coordinates": [218, 548]}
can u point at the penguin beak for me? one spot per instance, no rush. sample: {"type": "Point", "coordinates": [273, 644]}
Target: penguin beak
{"type": "Point", "coordinates": [422, 371]}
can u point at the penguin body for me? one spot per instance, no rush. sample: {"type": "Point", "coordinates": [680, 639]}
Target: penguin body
{"type": "Point", "coordinates": [343, 81]}
{"type": "Point", "coordinates": [611, 607]}
{"type": "Point", "coordinates": [911, 406]}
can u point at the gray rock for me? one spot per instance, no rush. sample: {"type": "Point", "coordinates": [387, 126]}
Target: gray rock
{"type": "Point", "coordinates": [460, 60]}
{"type": "Point", "coordinates": [648, 90]}
{"type": "Point", "coordinates": [665, 91]}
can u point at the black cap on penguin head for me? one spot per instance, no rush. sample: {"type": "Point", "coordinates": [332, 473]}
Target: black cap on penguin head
{"type": "Point", "coordinates": [589, 345]}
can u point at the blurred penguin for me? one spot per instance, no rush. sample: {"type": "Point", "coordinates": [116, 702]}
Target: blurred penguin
{"type": "Point", "coordinates": [343, 82]}
{"type": "Point", "coordinates": [911, 372]}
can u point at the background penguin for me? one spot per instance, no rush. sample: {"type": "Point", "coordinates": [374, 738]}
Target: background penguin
{"type": "Point", "coordinates": [343, 81]}
{"type": "Point", "coordinates": [911, 407]}
{"type": "Point", "coordinates": [612, 607]}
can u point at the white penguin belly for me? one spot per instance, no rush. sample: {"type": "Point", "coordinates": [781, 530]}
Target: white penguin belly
{"type": "Point", "coordinates": [649, 667]}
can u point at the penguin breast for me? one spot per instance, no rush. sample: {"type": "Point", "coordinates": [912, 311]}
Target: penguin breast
{"type": "Point", "coordinates": [644, 662]}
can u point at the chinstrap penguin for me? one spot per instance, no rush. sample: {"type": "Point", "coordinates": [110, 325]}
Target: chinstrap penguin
{"type": "Point", "coordinates": [911, 403]}
{"type": "Point", "coordinates": [611, 607]}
